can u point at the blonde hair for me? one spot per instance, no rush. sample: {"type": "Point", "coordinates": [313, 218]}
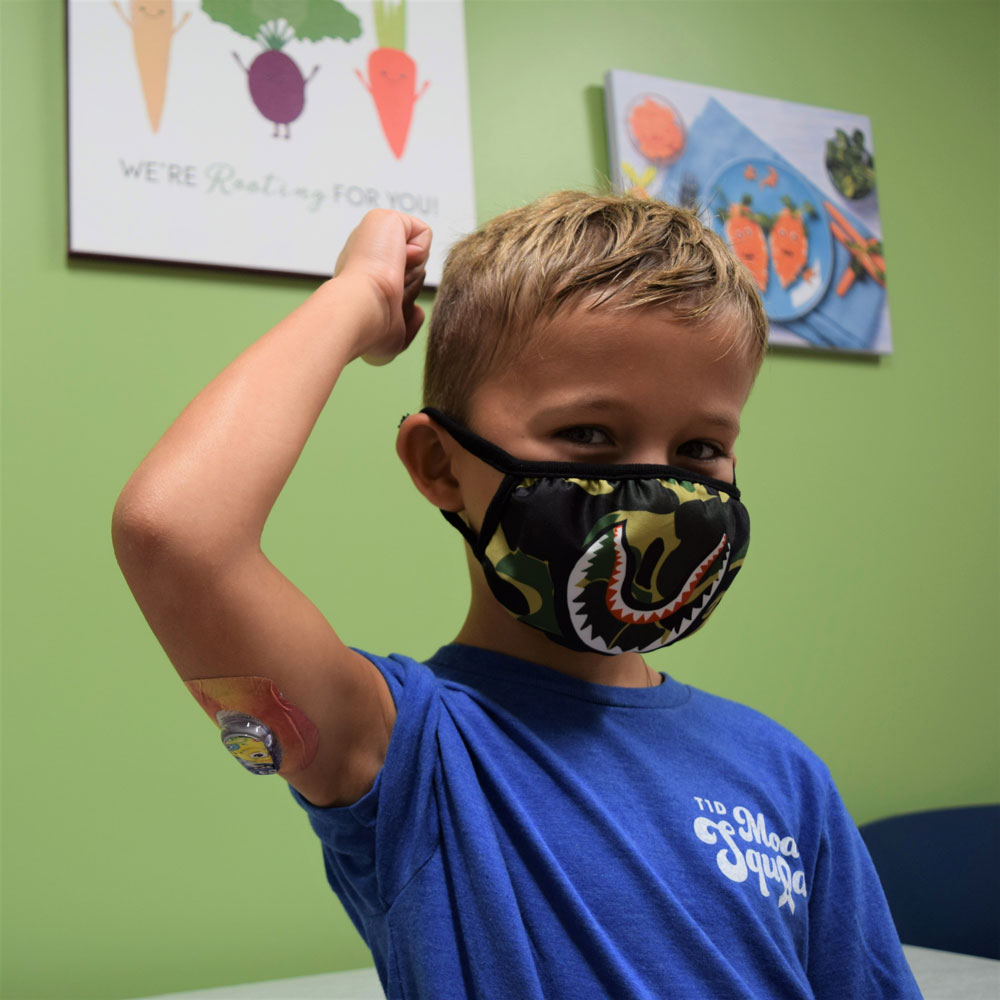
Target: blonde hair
{"type": "Point", "coordinates": [623, 252]}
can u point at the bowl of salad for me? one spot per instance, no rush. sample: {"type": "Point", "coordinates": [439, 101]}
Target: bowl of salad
{"type": "Point", "coordinates": [850, 165]}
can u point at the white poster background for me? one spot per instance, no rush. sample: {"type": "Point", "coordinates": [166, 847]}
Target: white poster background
{"type": "Point", "coordinates": [214, 185]}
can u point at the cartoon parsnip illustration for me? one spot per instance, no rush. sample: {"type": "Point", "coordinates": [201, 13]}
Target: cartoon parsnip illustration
{"type": "Point", "coordinates": [152, 25]}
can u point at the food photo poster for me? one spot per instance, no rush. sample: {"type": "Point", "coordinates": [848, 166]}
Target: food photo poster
{"type": "Point", "coordinates": [790, 187]}
{"type": "Point", "coordinates": [255, 134]}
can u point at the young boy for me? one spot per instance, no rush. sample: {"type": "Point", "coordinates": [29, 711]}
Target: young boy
{"type": "Point", "coordinates": [534, 812]}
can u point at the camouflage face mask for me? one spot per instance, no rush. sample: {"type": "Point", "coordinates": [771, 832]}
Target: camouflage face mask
{"type": "Point", "coordinates": [605, 558]}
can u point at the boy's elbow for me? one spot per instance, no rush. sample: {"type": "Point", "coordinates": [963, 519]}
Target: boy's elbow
{"type": "Point", "coordinates": [140, 534]}
{"type": "Point", "coordinates": [153, 534]}
{"type": "Point", "coordinates": [160, 541]}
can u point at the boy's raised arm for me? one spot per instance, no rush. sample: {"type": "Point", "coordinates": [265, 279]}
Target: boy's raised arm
{"type": "Point", "coordinates": [188, 524]}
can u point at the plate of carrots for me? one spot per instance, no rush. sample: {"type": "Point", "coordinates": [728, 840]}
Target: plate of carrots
{"type": "Point", "coordinates": [777, 224]}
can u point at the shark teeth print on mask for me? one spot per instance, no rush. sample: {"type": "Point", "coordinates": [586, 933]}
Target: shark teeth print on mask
{"type": "Point", "coordinates": [630, 614]}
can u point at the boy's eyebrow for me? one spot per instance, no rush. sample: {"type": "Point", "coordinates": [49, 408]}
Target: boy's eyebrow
{"type": "Point", "coordinates": [721, 420]}
{"type": "Point", "coordinates": [579, 403]}
{"type": "Point", "coordinates": [572, 407]}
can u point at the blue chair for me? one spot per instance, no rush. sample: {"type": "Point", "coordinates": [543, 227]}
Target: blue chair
{"type": "Point", "coordinates": [941, 874]}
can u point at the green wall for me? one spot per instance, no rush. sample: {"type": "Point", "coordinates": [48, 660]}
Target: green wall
{"type": "Point", "coordinates": [137, 858]}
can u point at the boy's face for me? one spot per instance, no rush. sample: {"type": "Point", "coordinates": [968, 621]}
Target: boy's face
{"type": "Point", "coordinates": [610, 386]}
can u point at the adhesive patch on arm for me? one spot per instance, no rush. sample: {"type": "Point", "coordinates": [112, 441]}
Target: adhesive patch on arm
{"type": "Point", "coordinates": [263, 731]}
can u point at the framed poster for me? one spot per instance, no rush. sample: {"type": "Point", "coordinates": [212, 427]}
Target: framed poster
{"type": "Point", "coordinates": [790, 187]}
{"type": "Point", "coordinates": [256, 133]}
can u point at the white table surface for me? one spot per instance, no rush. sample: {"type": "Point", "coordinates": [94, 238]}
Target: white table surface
{"type": "Point", "coordinates": [942, 975]}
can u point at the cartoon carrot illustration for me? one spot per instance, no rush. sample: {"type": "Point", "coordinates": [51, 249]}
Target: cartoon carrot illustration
{"type": "Point", "coordinates": [790, 241]}
{"type": "Point", "coordinates": [865, 253]}
{"type": "Point", "coordinates": [846, 280]}
{"type": "Point", "coordinates": [152, 25]}
{"type": "Point", "coordinates": [392, 75]}
{"type": "Point", "coordinates": [746, 236]}
{"type": "Point", "coordinates": [277, 85]}
{"type": "Point", "coordinates": [866, 259]}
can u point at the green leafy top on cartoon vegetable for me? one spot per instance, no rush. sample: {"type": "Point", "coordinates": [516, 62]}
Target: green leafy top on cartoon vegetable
{"type": "Point", "coordinates": [850, 166]}
{"type": "Point", "coordinates": [274, 23]}
{"type": "Point", "coordinates": [277, 86]}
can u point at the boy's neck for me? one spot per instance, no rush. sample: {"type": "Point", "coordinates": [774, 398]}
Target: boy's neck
{"type": "Point", "coordinates": [489, 626]}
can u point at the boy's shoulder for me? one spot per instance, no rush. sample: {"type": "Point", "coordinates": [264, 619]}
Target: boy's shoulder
{"type": "Point", "coordinates": [757, 743]}
{"type": "Point", "coordinates": [752, 722]}
{"type": "Point", "coordinates": [707, 720]}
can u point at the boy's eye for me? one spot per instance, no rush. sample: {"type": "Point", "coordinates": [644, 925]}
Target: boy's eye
{"type": "Point", "coordinates": [700, 451]}
{"type": "Point", "coordinates": [584, 435]}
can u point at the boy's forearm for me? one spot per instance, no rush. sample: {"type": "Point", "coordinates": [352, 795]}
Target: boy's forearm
{"type": "Point", "coordinates": [210, 482]}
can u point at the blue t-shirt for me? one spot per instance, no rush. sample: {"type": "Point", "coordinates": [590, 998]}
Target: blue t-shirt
{"type": "Point", "coordinates": [532, 835]}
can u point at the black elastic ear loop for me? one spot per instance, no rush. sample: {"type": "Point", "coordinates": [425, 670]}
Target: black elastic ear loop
{"type": "Point", "coordinates": [468, 534]}
{"type": "Point", "coordinates": [484, 450]}
{"type": "Point", "coordinates": [450, 516]}
{"type": "Point", "coordinates": [492, 456]}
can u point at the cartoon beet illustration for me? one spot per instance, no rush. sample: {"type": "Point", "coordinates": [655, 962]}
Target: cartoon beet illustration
{"type": "Point", "coordinates": [746, 236]}
{"type": "Point", "coordinates": [392, 75]}
{"type": "Point", "coordinates": [277, 85]}
{"type": "Point", "coordinates": [656, 130]}
{"type": "Point", "coordinates": [152, 25]}
{"type": "Point", "coordinates": [790, 241]}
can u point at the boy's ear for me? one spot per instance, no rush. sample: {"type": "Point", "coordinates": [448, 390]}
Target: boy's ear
{"type": "Point", "coordinates": [425, 449]}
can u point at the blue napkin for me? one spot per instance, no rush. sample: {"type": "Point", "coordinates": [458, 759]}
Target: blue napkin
{"type": "Point", "coordinates": [717, 138]}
